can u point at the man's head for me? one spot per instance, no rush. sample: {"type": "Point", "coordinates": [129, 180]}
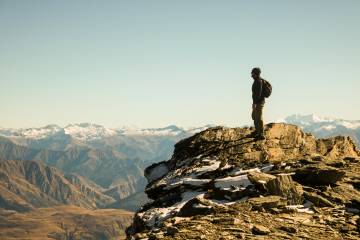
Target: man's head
{"type": "Point", "coordinates": [255, 73]}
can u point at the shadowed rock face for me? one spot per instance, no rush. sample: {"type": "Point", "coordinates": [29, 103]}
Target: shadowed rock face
{"type": "Point", "coordinates": [281, 182]}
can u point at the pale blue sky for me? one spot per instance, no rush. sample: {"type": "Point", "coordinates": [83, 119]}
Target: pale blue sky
{"type": "Point", "coordinates": [155, 63]}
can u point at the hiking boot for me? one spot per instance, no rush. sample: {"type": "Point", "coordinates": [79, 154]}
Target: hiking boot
{"type": "Point", "coordinates": [260, 137]}
{"type": "Point", "coordinates": [253, 134]}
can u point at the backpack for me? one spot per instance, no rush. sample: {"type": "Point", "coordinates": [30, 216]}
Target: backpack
{"type": "Point", "coordinates": [267, 89]}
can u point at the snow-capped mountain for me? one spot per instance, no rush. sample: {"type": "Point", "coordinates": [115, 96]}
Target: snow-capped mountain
{"type": "Point", "coordinates": [171, 130]}
{"type": "Point", "coordinates": [34, 133]}
{"type": "Point", "coordinates": [326, 127]}
{"type": "Point", "coordinates": [91, 132]}
{"type": "Point", "coordinates": [88, 131]}
{"type": "Point", "coordinates": [328, 123]}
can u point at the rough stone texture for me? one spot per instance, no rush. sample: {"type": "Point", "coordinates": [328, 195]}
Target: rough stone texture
{"type": "Point", "coordinates": [195, 207]}
{"type": "Point", "coordinates": [318, 175]}
{"type": "Point", "coordinates": [260, 179]}
{"type": "Point", "coordinates": [267, 202]}
{"type": "Point", "coordinates": [171, 231]}
{"type": "Point", "coordinates": [284, 186]}
{"type": "Point", "coordinates": [222, 184]}
{"type": "Point", "coordinates": [318, 200]}
{"type": "Point", "coordinates": [260, 230]}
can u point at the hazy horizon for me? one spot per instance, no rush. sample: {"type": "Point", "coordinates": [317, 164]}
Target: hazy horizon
{"type": "Point", "coordinates": [187, 63]}
{"type": "Point", "coordinates": [281, 119]}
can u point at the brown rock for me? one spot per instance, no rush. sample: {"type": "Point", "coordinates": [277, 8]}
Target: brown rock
{"type": "Point", "coordinates": [140, 236]}
{"type": "Point", "coordinates": [318, 175]}
{"type": "Point", "coordinates": [284, 186]}
{"type": "Point", "coordinates": [260, 230]}
{"type": "Point", "coordinates": [259, 179]}
{"type": "Point", "coordinates": [267, 202]}
{"type": "Point", "coordinates": [317, 200]}
{"type": "Point", "coordinates": [288, 229]}
{"type": "Point", "coordinates": [220, 152]}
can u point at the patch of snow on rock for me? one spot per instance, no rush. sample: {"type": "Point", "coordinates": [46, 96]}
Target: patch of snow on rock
{"type": "Point", "coordinates": [228, 182]}
{"type": "Point", "coordinates": [241, 171]}
{"type": "Point", "coordinates": [212, 166]}
{"type": "Point", "coordinates": [157, 215]}
{"type": "Point", "coordinates": [190, 181]}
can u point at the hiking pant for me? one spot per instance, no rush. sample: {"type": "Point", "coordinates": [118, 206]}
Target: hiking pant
{"type": "Point", "coordinates": [256, 115]}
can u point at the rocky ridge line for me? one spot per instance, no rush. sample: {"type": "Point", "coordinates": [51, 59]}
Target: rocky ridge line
{"type": "Point", "coordinates": [221, 184]}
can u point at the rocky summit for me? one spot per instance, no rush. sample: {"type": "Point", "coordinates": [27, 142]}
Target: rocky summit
{"type": "Point", "coordinates": [222, 184]}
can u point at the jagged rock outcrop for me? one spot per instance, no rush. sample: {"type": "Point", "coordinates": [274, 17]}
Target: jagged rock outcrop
{"type": "Point", "coordinates": [222, 184]}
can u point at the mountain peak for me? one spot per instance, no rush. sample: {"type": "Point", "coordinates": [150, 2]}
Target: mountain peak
{"type": "Point", "coordinates": [326, 127]}
{"type": "Point", "coordinates": [221, 172]}
{"type": "Point", "coordinates": [84, 125]}
{"type": "Point", "coordinates": [88, 131]}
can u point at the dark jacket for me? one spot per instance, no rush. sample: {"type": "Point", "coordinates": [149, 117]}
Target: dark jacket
{"type": "Point", "coordinates": [257, 95]}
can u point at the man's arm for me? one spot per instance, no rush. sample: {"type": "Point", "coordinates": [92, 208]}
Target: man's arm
{"type": "Point", "coordinates": [258, 91]}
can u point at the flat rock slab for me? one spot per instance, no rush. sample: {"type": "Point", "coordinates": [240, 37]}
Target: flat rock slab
{"type": "Point", "coordinates": [260, 178]}
{"type": "Point", "coordinates": [318, 175]}
{"type": "Point", "coordinates": [260, 230]}
{"type": "Point", "coordinates": [318, 200]}
{"type": "Point", "coordinates": [267, 202]}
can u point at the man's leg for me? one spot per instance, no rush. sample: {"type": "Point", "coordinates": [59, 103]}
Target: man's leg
{"type": "Point", "coordinates": [253, 116]}
{"type": "Point", "coordinates": [261, 120]}
{"type": "Point", "coordinates": [259, 123]}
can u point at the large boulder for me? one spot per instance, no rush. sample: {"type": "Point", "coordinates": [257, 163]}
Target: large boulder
{"type": "Point", "coordinates": [319, 174]}
{"type": "Point", "coordinates": [284, 186]}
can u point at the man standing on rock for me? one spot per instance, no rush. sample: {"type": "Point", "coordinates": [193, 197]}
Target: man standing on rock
{"type": "Point", "coordinates": [258, 104]}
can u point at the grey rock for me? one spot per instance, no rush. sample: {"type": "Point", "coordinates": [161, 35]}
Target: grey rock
{"type": "Point", "coordinates": [194, 207]}
{"type": "Point", "coordinates": [171, 230]}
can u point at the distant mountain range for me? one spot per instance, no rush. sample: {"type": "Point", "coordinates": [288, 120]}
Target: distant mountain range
{"type": "Point", "coordinates": [87, 132]}
{"type": "Point", "coordinates": [113, 159]}
{"type": "Point", "coordinates": [323, 127]}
